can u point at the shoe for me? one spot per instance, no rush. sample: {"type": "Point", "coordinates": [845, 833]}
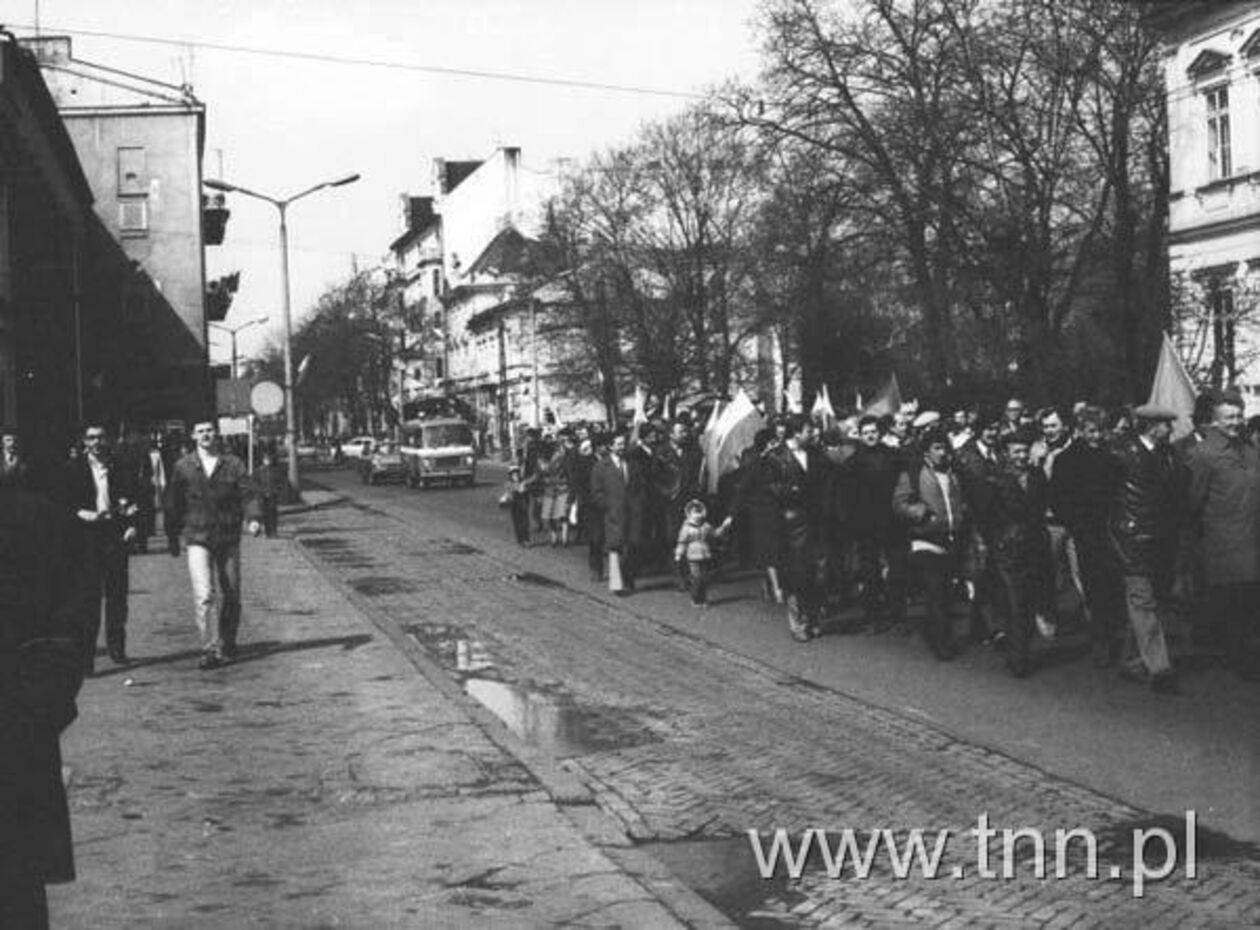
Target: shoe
{"type": "Point", "coordinates": [1019, 666]}
{"type": "Point", "coordinates": [1045, 626]}
{"type": "Point", "coordinates": [1135, 672]}
{"type": "Point", "coordinates": [231, 651]}
{"type": "Point", "coordinates": [1164, 682]}
{"type": "Point", "coordinates": [210, 659]}
{"type": "Point", "coordinates": [119, 657]}
{"type": "Point", "coordinates": [1105, 656]}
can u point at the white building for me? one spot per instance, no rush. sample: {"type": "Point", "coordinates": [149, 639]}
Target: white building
{"type": "Point", "coordinates": [465, 260]}
{"type": "Point", "coordinates": [1212, 79]}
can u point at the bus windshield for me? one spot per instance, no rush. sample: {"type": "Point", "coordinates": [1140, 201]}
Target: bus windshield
{"type": "Point", "coordinates": [447, 434]}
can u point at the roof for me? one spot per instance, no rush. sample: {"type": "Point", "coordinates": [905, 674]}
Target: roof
{"type": "Point", "coordinates": [510, 253]}
{"type": "Point", "coordinates": [454, 173]}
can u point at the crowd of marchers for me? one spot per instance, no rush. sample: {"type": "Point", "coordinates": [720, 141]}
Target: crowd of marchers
{"type": "Point", "coordinates": [992, 519]}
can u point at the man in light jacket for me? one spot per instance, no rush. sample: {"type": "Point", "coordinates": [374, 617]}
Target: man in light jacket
{"type": "Point", "coordinates": [209, 495]}
{"type": "Point", "coordinates": [1224, 514]}
{"type": "Point", "coordinates": [929, 501]}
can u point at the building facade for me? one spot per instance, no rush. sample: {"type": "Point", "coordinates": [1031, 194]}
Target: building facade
{"type": "Point", "coordinates": [141, 143]}
{"type": "Point", "coordinates": [71, 301]}
{"type": "Point", "coordinates": [1211, 62]}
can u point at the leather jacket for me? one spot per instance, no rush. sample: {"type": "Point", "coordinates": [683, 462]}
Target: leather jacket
{"type": "Point", "coordinates": [1145, 514]}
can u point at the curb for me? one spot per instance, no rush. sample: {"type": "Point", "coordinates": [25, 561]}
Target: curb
{"type": "Point", "coordinates": [570, 795]}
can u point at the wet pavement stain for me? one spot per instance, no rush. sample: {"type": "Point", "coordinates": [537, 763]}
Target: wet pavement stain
{"type": "Point", "coordinates": [554, 722]}
{"type": "Point", "coordinates": [381, 585]}
{"type": "Point", "coordinates": [724, 872]}
{"type": "Point", "coordinates": [536, 579]}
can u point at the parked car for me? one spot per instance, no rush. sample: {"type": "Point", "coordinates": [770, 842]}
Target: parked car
{"type": "Point", "coordinates": [440, 449]}
{"type": "Point", "coordinates": [384, 462]}
{"type": "Point", "coordinates": [354, 449]}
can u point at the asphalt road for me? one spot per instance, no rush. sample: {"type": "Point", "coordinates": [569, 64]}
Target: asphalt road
{"type": "Point", "coordinates": [694, 726]}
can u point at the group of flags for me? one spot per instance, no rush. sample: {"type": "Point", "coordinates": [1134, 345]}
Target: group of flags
{"type": "Point", "coordinates": [730, 429]}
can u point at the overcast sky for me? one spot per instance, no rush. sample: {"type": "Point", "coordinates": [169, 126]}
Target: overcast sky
{"type": "Point", "coordinates": [280, 124]}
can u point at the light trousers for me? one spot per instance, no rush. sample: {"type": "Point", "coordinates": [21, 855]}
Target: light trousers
{"type": "Point", "coordinates": [216, 582]}
{"type": "Point", "coordinates": [1149, 610]}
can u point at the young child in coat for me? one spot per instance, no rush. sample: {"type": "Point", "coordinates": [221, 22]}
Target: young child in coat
{"type": "Point", "coordinates": [516, 497]}
{"type": "Point", "coordinates": [695, 549]}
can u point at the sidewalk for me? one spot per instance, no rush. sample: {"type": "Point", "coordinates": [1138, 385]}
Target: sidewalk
{"type": "Point", "coordinates": [319, 781]}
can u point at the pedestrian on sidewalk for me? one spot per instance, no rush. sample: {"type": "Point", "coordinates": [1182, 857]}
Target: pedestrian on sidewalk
{"type": "Point", "coordinates": [209, 495]}
{"type": "Point", "coordinates": [101, 494]}
{"type": "Point", "coordinates": [271, 484]}
{"type": "Point", "coordinates": [41, 669]}
{"type": "Point", "coordinates": [516, 498]}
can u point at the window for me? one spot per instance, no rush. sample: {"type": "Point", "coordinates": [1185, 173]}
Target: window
{"type": "Point", "coordinates": [1219, 162]}
{"type": "Point", "coordinates": [133, 218]}
{"type": "Point", "coordinates": [133, 172]}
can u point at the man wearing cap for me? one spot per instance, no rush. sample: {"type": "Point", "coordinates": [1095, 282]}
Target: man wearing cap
{"type": "Point", "coordinates": [1144, 523]}
{"type": "Point", "coordinates": [1224, 520]}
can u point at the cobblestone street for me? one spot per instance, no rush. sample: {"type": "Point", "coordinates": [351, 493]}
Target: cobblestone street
{"type": "Point", "coordinates": [686, 743]}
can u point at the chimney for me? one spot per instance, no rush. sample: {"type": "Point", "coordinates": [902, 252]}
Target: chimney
{"type": "Point", "coordinates": [511, 182]}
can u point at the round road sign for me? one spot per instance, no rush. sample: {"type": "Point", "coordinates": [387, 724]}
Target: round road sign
{"type": "Point", "coordinates": [267, 398]}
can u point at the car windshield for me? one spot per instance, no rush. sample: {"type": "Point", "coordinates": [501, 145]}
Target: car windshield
{"type": "Point", "coordinates": [447, 434]}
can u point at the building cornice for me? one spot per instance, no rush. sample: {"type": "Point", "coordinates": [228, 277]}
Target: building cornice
{"type": "Point", "coordinates": [1228, 227]}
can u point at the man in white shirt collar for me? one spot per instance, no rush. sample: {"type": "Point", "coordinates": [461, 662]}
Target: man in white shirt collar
{"type": "Point", "coordinates": [103, 500]}
{"type": "Point", "coordinates": [210, 494]}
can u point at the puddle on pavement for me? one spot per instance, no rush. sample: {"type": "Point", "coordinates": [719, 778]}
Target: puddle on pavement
{"type": "Point", "coordinates": [724, 872]}
{"type": "Point", "coordinates": [380, 585]}
{"type": "Point", "coordinates": [556, 723]}
{"type": "Point", "coordinates": [544, 717]}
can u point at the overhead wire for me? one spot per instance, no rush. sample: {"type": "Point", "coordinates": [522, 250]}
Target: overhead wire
{"type": "Point", "coordinates": [374, 63]}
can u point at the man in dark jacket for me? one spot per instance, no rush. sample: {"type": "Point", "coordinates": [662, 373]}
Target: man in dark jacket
{"type": "Point", "coordinates": [1019, 546]}
{"type": "Point", "coordinates": [928, 499]}
{"type": "Point", "coordinates": [1082, 485]}
{"type": "Point", "coordinates": [101, 495]}
{"type": "Point", "coordinates": [210, 493]}
{"type": "Point", "coordinates": [1144, 524]}
{"type": "Point", "coordinates": [800, 484]}
{"type": "Point", "coordinates": [41, 668]}
{"type": "Point", "coordinates": [619, 494]}
{"type": "Point", "coordinates": [880, 541]}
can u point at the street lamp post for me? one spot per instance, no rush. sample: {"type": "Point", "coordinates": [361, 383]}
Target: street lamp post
{"type": "Point", "coordinates": [282, 205]}
{"type": "Point", "coordinates": [232, 331]}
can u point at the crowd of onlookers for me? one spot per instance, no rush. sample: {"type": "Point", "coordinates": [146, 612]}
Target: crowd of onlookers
{"type": "Point", "coordinates": [1007, 515]}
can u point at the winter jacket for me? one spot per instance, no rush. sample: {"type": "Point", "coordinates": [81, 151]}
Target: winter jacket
{"type": "Point", "coordinates": [1224, 508]}
{"type": "Point", "coordinates": [695, 542]}
{"type": "Point", "coordinates": [928, 516]}
{"type": "Point", "coordinates": [207, 510]}
{"type": "Point", "coordinates": [1144, 519]}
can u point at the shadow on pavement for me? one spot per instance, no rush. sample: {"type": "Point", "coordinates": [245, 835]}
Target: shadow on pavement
{"type": "Point", "coordinates": [249, 652]}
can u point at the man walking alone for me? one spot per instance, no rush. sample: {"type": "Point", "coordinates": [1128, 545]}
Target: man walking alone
{"type": "Point", "coordinates": [209, 495]}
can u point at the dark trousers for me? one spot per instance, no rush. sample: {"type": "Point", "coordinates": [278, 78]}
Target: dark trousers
{"type": "Point", "coordinates": [800, 569]}
{"type": "Point", "coordinates": [1018, 593]}
{"type": "Point", "coordinates": [270, 515]}
{"type": "Point", "coordinates": [24, 906]}
{"type": "Point", "coordinates": [105, 567]}
{"type": "Point", "coordinates": [1237, 607]}
{"type": "Point", "coordinates": [593, 520]}
{"type": "Point", "coordinates": [698, 581]}
{"type": "Point", "coordinates": [519, 509]}
{"type": "Point", "coordinates": [874, 549]}
{"type": "Point", "coordinates": [1104, 586]}
{"type": "Point", "coordinates": [935, 573]}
